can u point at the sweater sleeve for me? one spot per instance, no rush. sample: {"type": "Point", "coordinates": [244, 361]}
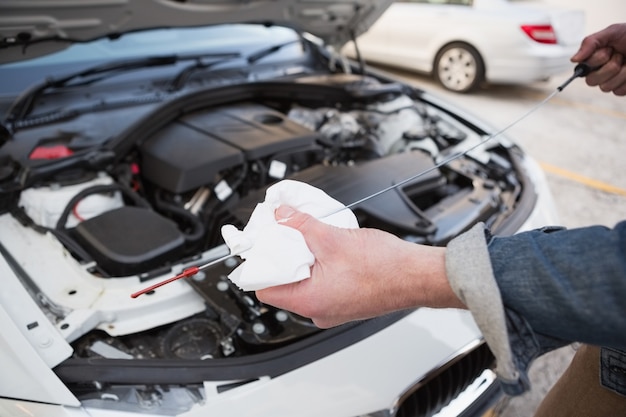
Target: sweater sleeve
{"type": "Point", "coordinates": [469, 272]}
{"type": "Point", "coordinates": [538, 290]}
{"type": "Point", "coordinates": [568, 284]}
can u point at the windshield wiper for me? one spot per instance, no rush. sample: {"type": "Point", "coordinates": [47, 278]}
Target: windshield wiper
{"type": "Point", "coordinates": [256, 56]}
{"type": "Point", "coordinates": [24, 103]}
{"type": "Point", "coordinates": [179, 80]}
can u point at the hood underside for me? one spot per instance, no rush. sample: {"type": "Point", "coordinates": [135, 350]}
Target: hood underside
{"type": "Point", "coordinates": [31, 28]}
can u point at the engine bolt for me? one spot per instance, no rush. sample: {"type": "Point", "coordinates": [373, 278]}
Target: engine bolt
{"type": "Point", "coordinates": [281, 315]}
{"type": "Point", "coordinates": [200, 276]}
{"type": "Point", "coordinates": [231, 263]}
{"type": "Point", "coordinates": [258, 328]}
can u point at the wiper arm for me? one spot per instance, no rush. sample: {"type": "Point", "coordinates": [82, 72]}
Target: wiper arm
{"type": "Point", "coordinates": [256, 56]}
{"type": "Point", "coordinates": [113, 68]}
{"type": "Point", "coordinates": [24, 103]}
{"type": "Point", "coordinates": [181, 78]}
{"type": "Point", "coordinates": [179, 81]}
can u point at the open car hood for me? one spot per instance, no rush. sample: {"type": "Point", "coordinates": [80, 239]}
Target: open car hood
{"type": "Point", "coordinates": [31, 28]}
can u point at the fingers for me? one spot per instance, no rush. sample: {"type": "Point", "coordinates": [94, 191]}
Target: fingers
{"type": "Point", "coordinates": [307, 299]}
{"type": "Point", "coordinates": [588, 47]}
{"type": "Point", "coordinates": [613, 37]}
{"type": "Point", "coordinates": [611, 76]}
{"type": "Point", "coordinates": [296, 297]}
{"type": "Point", "coordinates": [620, 91]}
{"type": "Point", "coordinates": [597, 58]}
{"type": "Point", "coordinates": [302, 299]}
{"type": "Point", "coordinates": [280, 296]}
{"type": "Point", "coordinates": [606, 50]}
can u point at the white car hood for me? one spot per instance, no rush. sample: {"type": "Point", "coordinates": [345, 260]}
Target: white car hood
{"type": "Point", "coordinates": [30, 28]}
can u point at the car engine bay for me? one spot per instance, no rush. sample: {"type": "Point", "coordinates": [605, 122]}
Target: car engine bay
{"type": "Point", "coordinates": [132, 193]}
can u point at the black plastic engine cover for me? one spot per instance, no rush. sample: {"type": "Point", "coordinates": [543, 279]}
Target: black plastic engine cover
{"type": "Point", "coordinates": [130, 240]}
{"type": "Point", "coordinates": [392, 211]}
{"type": "Point", "coordinates": [258, 131]}
{"type": "Point", "coordinates": [179, 158]}
{"type": "Point", "coordinates": [190, 152]}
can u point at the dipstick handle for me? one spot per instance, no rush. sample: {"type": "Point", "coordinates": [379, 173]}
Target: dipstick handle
{"type": "Point", "coordinates": [185, 274]}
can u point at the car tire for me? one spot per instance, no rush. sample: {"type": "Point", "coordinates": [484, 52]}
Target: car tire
{"type": "Point", "coordinates": [459, 67]}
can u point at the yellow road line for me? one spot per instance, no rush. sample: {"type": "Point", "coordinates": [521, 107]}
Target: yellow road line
{"type": "Point", "coordinates": [589, 182]}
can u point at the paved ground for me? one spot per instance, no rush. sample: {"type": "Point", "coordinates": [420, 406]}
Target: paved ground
{"type": "Point", "coordinates": [579, 138]}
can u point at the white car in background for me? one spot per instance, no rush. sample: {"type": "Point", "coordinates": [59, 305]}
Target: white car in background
{"type": "Point", "coordinates": [465, 43]}
{"type": "Point", "coordinates": [132, 131]}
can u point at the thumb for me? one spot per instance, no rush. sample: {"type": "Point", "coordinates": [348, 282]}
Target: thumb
{"type": "Point", "coordinates": [291, 217]}
{"type": "Point", "coordinates": [587, 48]}
{"type": "Point", "coordinates": [319, 236]}
{"type": "Point", "coordinates": [284, 213]}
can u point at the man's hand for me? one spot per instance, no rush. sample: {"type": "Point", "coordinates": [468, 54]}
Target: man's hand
{"type": "Point", "coordinates": [605, 49]}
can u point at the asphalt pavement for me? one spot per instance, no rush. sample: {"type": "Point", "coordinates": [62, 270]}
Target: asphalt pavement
{"type": "Point", "coordinates": [579, 138]}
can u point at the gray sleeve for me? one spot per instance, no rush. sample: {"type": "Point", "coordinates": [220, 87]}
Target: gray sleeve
{"type": "Point", "coordinates": [469, 271]}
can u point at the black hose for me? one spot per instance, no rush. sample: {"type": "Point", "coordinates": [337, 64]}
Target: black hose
{"type": "Point", "coordinates": [197, 227]}
{"type": "Point", "coordinates": [98, 189]}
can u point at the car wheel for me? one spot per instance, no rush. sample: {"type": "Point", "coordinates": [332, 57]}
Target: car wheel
{"type": "Point", "coordinates": [459, 68]}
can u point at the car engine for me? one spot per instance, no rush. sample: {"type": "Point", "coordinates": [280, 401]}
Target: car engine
{"type": "Point", "coordinates": [159, 185]}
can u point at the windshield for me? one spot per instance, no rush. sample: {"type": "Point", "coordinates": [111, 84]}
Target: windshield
{"type": "Point", "coordinates": [236, 39]}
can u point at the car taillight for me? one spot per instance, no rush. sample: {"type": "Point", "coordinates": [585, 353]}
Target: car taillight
{"type": "Point", "coordinates": [540, 33]}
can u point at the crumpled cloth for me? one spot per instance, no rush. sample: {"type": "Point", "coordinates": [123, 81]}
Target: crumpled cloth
{"type": "Point", "coordinates": [276, 254]}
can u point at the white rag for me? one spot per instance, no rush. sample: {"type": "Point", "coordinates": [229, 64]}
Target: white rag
{"type": "Point", "coordinates": [276, 254]}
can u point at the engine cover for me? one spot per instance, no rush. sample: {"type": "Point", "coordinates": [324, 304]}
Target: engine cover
{"type": "Point", "coordinates": [349, 184]}
{"type": "Point", "coordinates": [154, 241]}
{"type": "Point", "coordinates": [195, 148]}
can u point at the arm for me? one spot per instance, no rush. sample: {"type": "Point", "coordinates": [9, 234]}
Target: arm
{"type": "Point", "coordinates": [606, 49]}
{"type": "Point", "coordinates": [529, 293]}
{"type": "Point", "coordinates": [567, 284]}
{"type": "Point", "coordinates": [510, 284]}
{"type": "Point", "coordinates": [536, 291]}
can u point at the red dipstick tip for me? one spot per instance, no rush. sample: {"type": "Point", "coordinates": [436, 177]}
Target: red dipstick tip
{"type": "Point", "coordinates": [185, 274]}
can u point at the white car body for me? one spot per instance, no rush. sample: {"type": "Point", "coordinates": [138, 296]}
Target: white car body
{"type": "Point", "coordinates": [357, 380]}
{"type": "Point", "coordinates": [410, 35]}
